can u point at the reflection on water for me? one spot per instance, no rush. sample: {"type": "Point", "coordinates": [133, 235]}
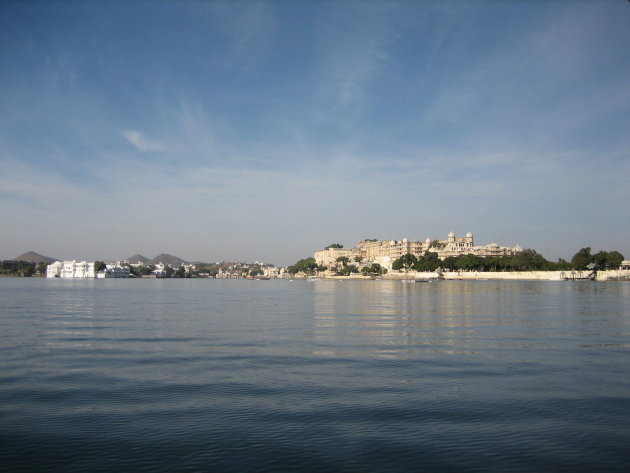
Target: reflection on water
{"type": "Point", "coordinates": [396, 320]}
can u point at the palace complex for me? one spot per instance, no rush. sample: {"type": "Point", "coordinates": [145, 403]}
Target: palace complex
{"type": "Point", "coordinates": [385, 252]}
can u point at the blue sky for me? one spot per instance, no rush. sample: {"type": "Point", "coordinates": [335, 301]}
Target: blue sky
{"type": "Point", "coordinates": [266, 130]}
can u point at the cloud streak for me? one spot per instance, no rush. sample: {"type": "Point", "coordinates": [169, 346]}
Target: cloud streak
{"type": "Point", "coordinates": [142, 143]}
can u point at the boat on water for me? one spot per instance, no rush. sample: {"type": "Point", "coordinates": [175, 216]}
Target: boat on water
{"type": "Point", "coordinates": [414, 280]}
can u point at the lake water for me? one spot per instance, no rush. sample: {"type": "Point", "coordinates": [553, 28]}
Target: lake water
{"type": "Point", "coordinates": [324, 376]}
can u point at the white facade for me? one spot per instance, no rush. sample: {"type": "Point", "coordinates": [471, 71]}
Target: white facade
{"type": "Point", "coordinates": [328, 256]}
{"type": "Point", "coordinates": [114, 271]}
{"type": "Point", "coordinates": [71, 270]}
{"type": "Point", "coordinates": [453, 246]}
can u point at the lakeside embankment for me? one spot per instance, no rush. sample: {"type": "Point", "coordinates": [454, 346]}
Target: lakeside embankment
{"type": "Point", "coordinates": [606, 275]}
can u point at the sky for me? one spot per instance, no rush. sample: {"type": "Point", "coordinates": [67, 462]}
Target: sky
{"type": "Point", "coordinates": [264, 131]}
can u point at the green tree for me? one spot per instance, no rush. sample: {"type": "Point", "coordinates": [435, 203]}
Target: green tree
{"type": "Point", "coordinates": [450, 262]}
{"type": "Point", "coordinates": [600, 259]}
{"type": "Point", "coordinates": [99, 266]}
{"type": "Point", "coordinates": [582, 258]}
{"type": "Point", "coordinates": [334, 245]}
{"type": "Point", "coordinates": [495, 263]}
{"type": "Point", "coordinates": [344, 260]}
{"type": "Point", "coordinates": [405, 262]}
{"type": "Point", "coordinates": [436, 244]}
{"type": "Point", "coordinates": [562, 265]}
{"type": "Point", "coordinates": [429, 262]}
{"type": "Point", "coordinates": [144, 270]}
{"type": "Point", "coordinates": [469, 262]}
{"type": "Point", "coordinates": [306, 265]}
{"type": "Point", "coordinates": [375, 268]}
{"type": "Point", "coordinates": [347, 270]}
{"type": "Point", "coordinates": [614, 259]}
{"type": "Point", "coordinates": [41, 268]}
{"type": "Point", "coordinates": [528, 260]}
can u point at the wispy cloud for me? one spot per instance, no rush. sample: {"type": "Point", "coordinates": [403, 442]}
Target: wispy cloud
{"type": "Point", "coordinates": [142, 143]}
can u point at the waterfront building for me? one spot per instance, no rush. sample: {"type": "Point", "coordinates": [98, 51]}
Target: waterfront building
{"type": "Point", "coordinates": [115, 270]}
{"type": "Point", "coordinates": [71, 270]}
{"type": "Point", "coordinates": [454, 246]}
{"type": "Point", "coordinates": [328, 256]}
{"type": "Point", "coordinates": [385, 252]}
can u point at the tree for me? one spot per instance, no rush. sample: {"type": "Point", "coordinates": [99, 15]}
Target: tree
{"type": "Point", "coordinates": [429, 262]}
{"type": "Point", "coordinates": [99, 266]}
{"type": "Point", "coordinates": [450, 262]}
{"type": "Point", "coordinates": [582, 258]}
{"type": "Point", "coordinates": [469, 262]}
{"type": "Point", "coordinates": [41, 268]}
{"type": "Point", "coordinates": [375, 268]}
{"type": "Point", "coordinates": [495, 263]}
{"type": "Point", "coordinates": [614, 259]}
{"type": "Point", "coordinates": [143, 270]}
{"type": "Point", "coordinates": [529, 260]}
{"type": "Point", "coordinates": [306, 265]}
{"type": "Point", "coordinates": [562, 265]}
{"type": "Point", "coordinates": [344, 260]}
{"type": "Point", "coordinates": [347, 270]}
{"type": "Point", "coordinates": [600, 259]}
{"type": "Point", "coordinates": [334, 245]}
{"type": "Point", "coordinates": [436, 244]}
{"type": "Point", "coordinates": [405, 262]}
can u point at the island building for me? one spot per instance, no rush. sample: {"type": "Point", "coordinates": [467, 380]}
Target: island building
{"type": "Point", "coordinates": [385, 252]}
{"type": "Point", "coordinates": [71, 270]}
{"type": "Point", "coordinates": [84, 270]}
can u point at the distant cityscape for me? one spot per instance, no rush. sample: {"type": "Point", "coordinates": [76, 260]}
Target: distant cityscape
{"type": "Point", "coordinates": [370, 257]}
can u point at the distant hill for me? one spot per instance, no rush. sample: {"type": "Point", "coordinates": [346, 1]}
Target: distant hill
{"type": "Point", "coordinates": [167, 259]}
{"type": "Point", "coordinates": [32, 257]}
{"type": "Point", "coordinates": [138, 259]}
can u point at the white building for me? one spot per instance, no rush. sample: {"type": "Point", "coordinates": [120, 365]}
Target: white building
{"type": "Point", "coordinates": [71, 270]}
{"type": "Point", "coordinates": [453, 246]}
{"type": "Point", "coordinates": [114, 271]}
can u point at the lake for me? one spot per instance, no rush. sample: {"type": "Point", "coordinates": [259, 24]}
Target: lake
{"type": "Point", "coordinates": [323, 376]}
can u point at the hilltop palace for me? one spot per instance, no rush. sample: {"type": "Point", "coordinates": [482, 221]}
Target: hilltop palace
{"type": "Point", "coordinates": [385, 252]}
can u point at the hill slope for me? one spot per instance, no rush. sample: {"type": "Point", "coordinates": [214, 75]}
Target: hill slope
{"type": "Point", "coordinates": [138, 259]}
{"type": "Point", "coordinates": [167, 259]}
{"type": "Point", "coordinates": [32, 257]}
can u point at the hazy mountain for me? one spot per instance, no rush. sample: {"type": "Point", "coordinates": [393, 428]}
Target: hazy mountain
{"type": "Point", "coordinates": [138, 259]}
{"type": "Point", "coordinates": [167, 259]}
{"type": "Point", "coordinates": [32, 257]}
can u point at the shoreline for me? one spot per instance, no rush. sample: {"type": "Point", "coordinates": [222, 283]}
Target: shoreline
{"type": "Point", "coordinates": [606, 275]}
